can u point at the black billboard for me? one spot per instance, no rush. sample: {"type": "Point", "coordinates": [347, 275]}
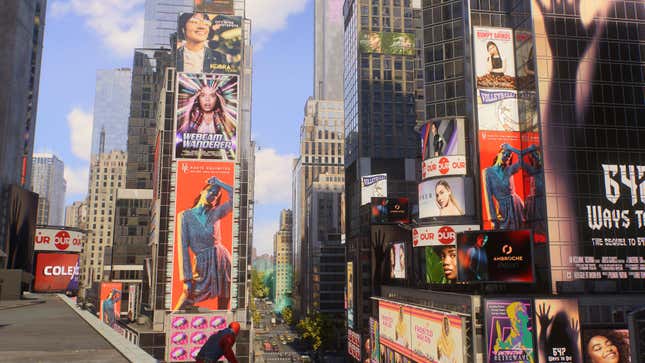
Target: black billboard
{"type": "Point", "coordinates": [389, 210]}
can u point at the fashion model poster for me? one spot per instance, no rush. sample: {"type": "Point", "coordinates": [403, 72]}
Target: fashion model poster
{"type": "Point", "coordinates": [187, 333]}
{"type": "Point", "coordinates": [397, 261]}
{"type": "Point", "coordinates": [558, 330]}
{"type": "Point", "coordinates": [110, 308]}
{"type": "Point", "coordinates": [443, 148]}
{"type": "Point", "coordinates": [510, 333]}
{"type": "Point", "coordinates": [207, 116]}
{"type": "Point", "coordinates": [442, 197]}
{"type": "Point", "coordinates": [375, 346]}
{"type": "Point", "coordinates": [202, 260]}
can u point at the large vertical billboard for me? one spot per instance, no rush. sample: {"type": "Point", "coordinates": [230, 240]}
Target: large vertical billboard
{"type": "Point", "coordinates": [187, 333]}
{"type": "Point", "coordinates": [350, 294]}
{"type": "Point", "coordinates": [56, 239]}
{"type": "Point", "coordinates": [558, 331]}
{"type": "Point", "coordinates": [110, 303]}
{"type": "Point", "coordinates": [421, 335]}
{"type": "Point", "coordinates": [443, 148]}
{"type": "Point", "coordinates": [207, 116]}
{"type": "Point", "coordinates": [591, 111]}
{"type": "Point", "coordinates": [202, 259]}
{"type": "Point", "coordinates": [375, 353]}
{"type": "Point", "coordinates": [509, 331]}
{"type": "Point", "coordinates": [209, 43]}
{"type": "Point", "coordinates": [397, 261]}
{"type": "Point", "coordinates": [56, 272]}
{"type": "Point", "coordinates": [354, 344]}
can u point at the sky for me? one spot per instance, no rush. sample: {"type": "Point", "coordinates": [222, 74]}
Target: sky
{"type": "Point", "coordinates": [83, 36]}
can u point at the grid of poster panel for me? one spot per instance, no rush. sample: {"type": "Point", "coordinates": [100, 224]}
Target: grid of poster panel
{"type": "Point", "coordinates": [207, 110]}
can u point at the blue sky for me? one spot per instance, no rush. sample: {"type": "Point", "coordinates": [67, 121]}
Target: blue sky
{"type": "Point", "coordinates": [78, 42]}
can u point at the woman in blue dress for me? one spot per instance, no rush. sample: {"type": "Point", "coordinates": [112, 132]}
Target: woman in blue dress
{"type": "Point", "coordinates": [508, 211]}
{"type": "Point", "coordinates": [209, 276]}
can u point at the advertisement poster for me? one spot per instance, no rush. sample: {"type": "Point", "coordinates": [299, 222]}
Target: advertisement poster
{"type": "Point", "coordinates": [594, 184]}
{"type": "Point", "coordinates": [494, 58]}
{"type": "Point", "coordinates": [373, 186]}
{"type": "Point", "coordinates": [214, 6]}
{"type": "Point", "coordinates": [374, 341]}
{"type": "Point", "coordinates": [397, 261]}
{"type": "Point", "coordinates": [56, 272]}
{"type": "Point", "coordinates": [207, 115]}
{"type": "Point", "coordinates": [188, 333]}
{"type": "Point", "coordinates": [500, 256]}
{"type": "Point", "coordinates": [510, 332]}
{"type": "Point", "coordinates": [54, 239]}
{"type": "Point", "coordinates": [442, 197]}
{"type": "Point", "coordinates": [443, 148]}
{"type": "Point", "coordinates": [350, 294]}
{"type": "Point", "coordinates": [203, 235]}
{"type": "Point", "coordinates": [132, 302]}
{"type": "Point", "coordinates": [420, 335]}
{"type": "Point", "coordinates": [354, 344]}
{"type": "Point", "coordinates": [387, 43]}
{"type": "Point", "coordinates": [390, 211]}
{"type": "Point", "coordinates": [110, 309]}
{"type": "Point", "coordinates": [558, 330]}
{"type": "Point", "coordinates": [209, 43]}
{"type": "Point", "coordinates": [439, 235]}
{"type": "Point", "coordinates": [606, 345]}
{"type": "Point", "coordinates": [497, 110]}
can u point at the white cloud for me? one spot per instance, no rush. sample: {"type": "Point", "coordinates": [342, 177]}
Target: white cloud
{"type": "Point", "coordinates": [268, 16]}
{"type": "Point", "coordinates": [80, 133]}
{"type": "Point", "coordinates": [273, 177]}
{"type": "Point", "coordinates": [119, 23]}
{"type": "Point", "coordinates": [77, 179]}
{"type": "Point", "coordinates": [263, 231]}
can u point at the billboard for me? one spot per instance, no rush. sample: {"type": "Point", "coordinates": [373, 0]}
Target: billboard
{"type": "Point", "coordinates": [397, 261]}
{"type": "Point", "coordinates": [558, 330]}
{"type": "Point", "coordinates": [387, 43]}
{"type": "Point", "coordinates": [187, 333]}
{"type": "Point", "coordinates": [202, 259]}
{"type": "Point", "coordinates": [110, 300]}
{"type": "Point", "coordinates": [373, 186]}
{"type": "Point", "coordinates": [354, 344]}
{"type": "Point", "coordinates": [132, 302]}
{"type": "Point", "coordinates": [495, 256]}
{"type": "Point", "coordinates": [606, 345]}
{"type": "Point", "coordinates": [594, 190]}
{"type": "Point", "coordinates": [439, 235]}
{"type": "Point", "coordinates": [442, 197]}
{"type": "Point", "coordinates": [350, 294]}
{"type": "Point", "coordinates": [375, 346]}
{"type": "Point", "coordinates": [209, 43]}
{"type": "Point", "coordinates": [55, 239]}
{"type": "Point", "coordinates": [509, 331]}
{"type": "Point", "coordinates": [214, 6]}
{"type": "Point", "coordinates": [390, 211]}
{"type": "Point", "coordinates": [443, 148]}
{"type": "Point", "coordinates": [421, 335]}
{"type": "Point", "coordinates": [56, 272]}
{"type": "Point", "coordinates": [494, 58]}
{"type": "Point", "coordinates": [207, 116]}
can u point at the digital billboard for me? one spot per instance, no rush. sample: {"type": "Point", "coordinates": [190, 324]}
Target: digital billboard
{"type": "Point", "coordinates": [207, 116]}
{"type": "Point", "coordinates": [387, 43]}
{"type": "Point", "coordinates": [420, 335]}
{"type": "Point", "coordinates": [202, 259]}
{"type": "Point", "coordinates": [439, 235]}
{"type": "Point", "coordinates": [558, 330]}
{"type": "Point", "coordinates": [441, 251]}
{"type": "Point", "coordinates": [373, 186]}
{"type": "Point", "coordinates": [397, 261]}
{"type": "Point", "coordinates": [591, 109]}
{"type": "Point", "coordinates": [375, 346]}
{"type": "Point", "coordinates": [495, 256]}
{"type": "Point", "coordinates": [442, 197]}
{"type": "Point", "coordinates": [56, 272]}
{"type": "Point", "coordinates": [390, 211]}
{"type": "Point", "coordinates": [443, 148]}
{"type": "Point", "coordinates": [509, 331]}
{"type": "Point", "coordinates": [350, 294]}
{"type": "Point", "coordinates": [55, 239]}
{"type": "Point", "coordinates": [209, 43]}
{"type": "Point", "coordinates": [110, 300]}
{"type": "Point", "coordinates": [214, 6]}
{"type": "Point", "coordinates": [187, 333]}
{"type": "Point", "coordinates": [606, 345]}
{"type": "Point", "coordinates": [354, 344]}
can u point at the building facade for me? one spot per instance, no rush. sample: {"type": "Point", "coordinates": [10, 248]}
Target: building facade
{"type": "Point", "coordinates": [111, 110]}
{"type": "Point", "coordinates": [76, 215]}
{"type": "Point", "coordinates": [328, 50]}
{"type": "Point", "coordinates": [48, 181]}
{"type": "Point", "coordinates": [283, 250]}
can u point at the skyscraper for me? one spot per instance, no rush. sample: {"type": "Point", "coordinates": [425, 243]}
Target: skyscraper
{"type": "Point", "coordinates": [22, 25]}
{"type": "Point", "coordinates": [111, 109]}
{"type": "Point", "coordinates": [328, 50]}
{"type": "Point", "coordinates": [76, 215]}
{"type": "Point", "coordinates": [48, 181]}
{"type": "Point", "coordinates": [160, 20]}
{"type": "Point", "coordinates": [283, 250]}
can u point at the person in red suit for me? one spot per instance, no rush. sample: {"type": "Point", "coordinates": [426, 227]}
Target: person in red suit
{"type": "Point", "coordinates": [220, 345]}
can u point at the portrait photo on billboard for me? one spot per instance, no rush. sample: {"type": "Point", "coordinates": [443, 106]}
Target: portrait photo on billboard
{"type": "Point", "coordinates": [389, 210]}
{"type": "Point", "coordinates": [606, 346]}
{"type": "Point", "coordinates": [495, 256]}
{"type": "Point", "coordinates": [397, 260]}
{"type": "Point", "coordinates": [209, 43]}
{"type": "Point", "coordinates": [442, 197]}
{"type": "Point", "coordinates": [558, 330]}
{"type": "Point", "coordinates": [214, 6]}
{"type": "Point", "coordinates": [56, 272]}
{"type": "Point", "coordinates": [207, 116]}
{"type": "Point", "coordinates": [202, 260]}
{"type": "Point", "coordinates": [509, 331]}
{"type": "Point", "coordinates": [494, 58]}
{"type": "Point", "coordinates": [110, 310]}
{"type": "Point", "coordinates": [443, 148]}
{"type": "Point", "coordinates": [373, 186]}
{"type": "Point", "coordinates": [441, 264]}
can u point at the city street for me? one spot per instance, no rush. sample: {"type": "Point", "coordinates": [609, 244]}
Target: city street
{"type": "Point", "coordinates": [268, 332]}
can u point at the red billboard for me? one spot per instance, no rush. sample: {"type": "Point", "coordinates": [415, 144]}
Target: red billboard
{"type": "Point", "coordinates": [110, 308]}
{"type": "Point", "coordinates": [202, 260]}
{"type": "Point", "coordinates": [56, 272]}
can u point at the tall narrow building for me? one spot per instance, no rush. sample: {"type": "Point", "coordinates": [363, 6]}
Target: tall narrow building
{"type": "Point", "coordinates": [283, 250]}
{"type": "Point", "coordinates": [328, 50]}
{"type": "Point", "coordinates": [49, 183]}
{"type": "Point", "coordinates": [76, 215]}
{"type": "Point", "coordinates": [111, 109]}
